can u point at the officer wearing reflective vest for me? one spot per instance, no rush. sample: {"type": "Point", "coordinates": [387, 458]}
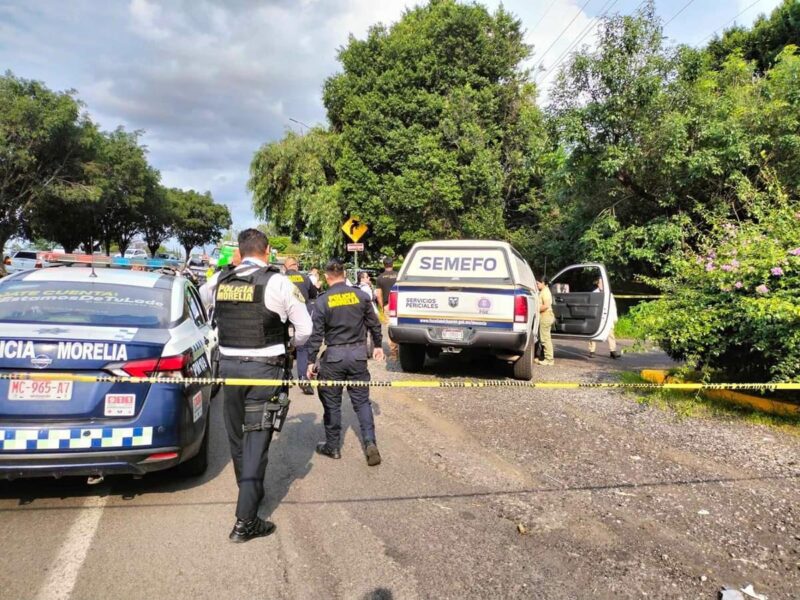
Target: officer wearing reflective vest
{"type": "Point", "coordinates": [341, 318]}
{"type": "Point", "coordinates": [252, 304]}
{"type": "Point", "coordinates": [309, 292]}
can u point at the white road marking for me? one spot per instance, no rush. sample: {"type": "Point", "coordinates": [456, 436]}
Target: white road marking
{"type": "Point", "coordinates": [63, 573]}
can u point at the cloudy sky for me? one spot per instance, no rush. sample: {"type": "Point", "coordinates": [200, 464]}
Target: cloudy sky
{"type": "Point", "coordinates": [211, 80]}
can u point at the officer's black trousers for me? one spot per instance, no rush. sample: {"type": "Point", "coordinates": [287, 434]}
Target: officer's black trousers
{"type": "Point", "coordinates": [248, 450]}
{"type": "Point", "coordinates": [345, 364]}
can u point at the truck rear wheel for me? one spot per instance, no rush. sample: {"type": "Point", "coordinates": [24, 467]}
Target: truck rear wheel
{"type": "Point", "coordinates": [412, 357]}
{"type": "Point", "coordinates": [523, 368]}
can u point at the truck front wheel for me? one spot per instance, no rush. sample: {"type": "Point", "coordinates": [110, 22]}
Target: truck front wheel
{"type": "Point", "coordinates": [412, 357]}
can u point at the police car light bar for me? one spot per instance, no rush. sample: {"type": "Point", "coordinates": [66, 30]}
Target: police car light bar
{"type": "Point", "coordinates": [117, 262]}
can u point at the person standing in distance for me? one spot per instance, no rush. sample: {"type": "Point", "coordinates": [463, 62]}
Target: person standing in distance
{"type": "Point", "coordinates": [252, 304]}
{"type": "Point", "coordinates": [612, 316]}
{"type": "Point", "coordinates": [386, 281]}
{"type": "Point", "coordinates": [341, 318]}
{"type": "Point", "coordinates": [309, 293]}
{"type": "Point", "coordinates": [546, 319]}
{"type": "Point", "coordinates": [313, 275]}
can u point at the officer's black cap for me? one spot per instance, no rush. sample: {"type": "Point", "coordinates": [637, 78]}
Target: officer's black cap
{"type": "Point", "coordinates": [388, 261]}
{"type": "Point", "coordinates": [334, 267]}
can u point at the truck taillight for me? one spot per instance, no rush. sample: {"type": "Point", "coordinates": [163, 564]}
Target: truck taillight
{"type": "Point", "coordinates": [7, 261]}
{"type": "Point", "coordinates": [37, 264]}
{"type": "Point", "coordinates": [520, 309]}
{"type": "Point", "coordinates": [163, 366]}
{"type": "Point", "coordinates": [392, 303]}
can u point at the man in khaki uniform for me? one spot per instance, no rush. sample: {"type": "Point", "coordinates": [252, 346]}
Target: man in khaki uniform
{"type": "Point", "coordinates": [546, 320]}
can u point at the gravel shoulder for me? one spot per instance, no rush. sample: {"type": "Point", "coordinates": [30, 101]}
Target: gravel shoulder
{"type": "Point", "coordinates": [634, 499]}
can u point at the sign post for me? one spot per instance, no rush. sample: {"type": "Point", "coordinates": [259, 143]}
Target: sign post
{"type": "Point", "coordinates": [354, 229]}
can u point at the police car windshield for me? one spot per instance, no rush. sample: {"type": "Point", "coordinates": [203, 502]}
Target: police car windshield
{"type": "Point", "coordinates": [84, 303]}
{"type": "Point", "coordinates": [458, 264]}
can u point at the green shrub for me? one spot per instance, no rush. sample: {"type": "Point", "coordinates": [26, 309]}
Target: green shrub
{"type": "Point", "coordinates": [734, 308]}
{"type": "Point", "coordinates": [628, 327]}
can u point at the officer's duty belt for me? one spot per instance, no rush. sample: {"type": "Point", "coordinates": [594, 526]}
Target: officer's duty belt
{"type": "Point", "coordinates": [277, 361]}
{"type": "Point", "coordinates": [349, 345]}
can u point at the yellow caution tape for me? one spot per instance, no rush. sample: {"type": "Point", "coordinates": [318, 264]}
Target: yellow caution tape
{"type": "Point", "coordinates": [434, 383]}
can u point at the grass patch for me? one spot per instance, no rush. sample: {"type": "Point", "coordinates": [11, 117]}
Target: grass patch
{"type": "Point", "coordinates": [626, 327]}
{"type": "Point", "coordinates": [695, 405]}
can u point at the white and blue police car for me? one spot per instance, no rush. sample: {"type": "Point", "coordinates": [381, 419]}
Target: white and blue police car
{"type": "Point", "coordinates": [105, 321]}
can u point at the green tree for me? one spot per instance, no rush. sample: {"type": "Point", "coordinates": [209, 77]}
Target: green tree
{"type": "Point", "coordinates": [660, 144]}
{"type": "Point", "coordinates": [732, 306]}
{"type": "Point", "coordinates": [610, 107]}
{"type": "Point", "coordinates": [198, 219]}
{"type": "Point", "coordinates": [42, 142]}
{"type": "Point", "coordinates": [764, 41]}
{"type": "Point", "coordinates": [123, 177]}
{"type": "Point", "coordinates": [67, 214]}
{"type": "Point", "coordinates": [156, 214]}
{"type": "Point", "coordinates": [435, 121]}
{"type": "Point", "coordinates": [68, 222]}
{"type": "Point", "coordinates": [295, 188]}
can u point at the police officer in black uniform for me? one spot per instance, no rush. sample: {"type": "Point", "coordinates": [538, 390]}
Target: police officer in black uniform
{"type": "Point", "coordinates": [252, 304]}
{"type": "Point", "coordinates": [341, 317]}
{"type": "Point", "coordinates": [309, 292]}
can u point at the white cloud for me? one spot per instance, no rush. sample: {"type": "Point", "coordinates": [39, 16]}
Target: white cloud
{"type": "Point", "coordinates": [147, 17]}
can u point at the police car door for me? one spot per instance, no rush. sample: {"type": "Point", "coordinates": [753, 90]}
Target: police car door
{"type": "Point", "coordinates": [581, 302]}
{"type": "Point", "coordinates": [201, 320]}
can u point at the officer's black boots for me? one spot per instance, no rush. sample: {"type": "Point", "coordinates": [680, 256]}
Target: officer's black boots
{"type": "Point", "coordinates": [325, 450]}
{"type": "Point", "coordinates": [307, 389]}
{"type": "Point", "coordinates": [373, 456]}
{"type": "Point", "coordinates": [616, 354]}
{"type": "Point", "coordinates": [244, 531]}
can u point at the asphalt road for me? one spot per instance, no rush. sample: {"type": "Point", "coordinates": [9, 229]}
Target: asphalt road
{"type": "Point", "coordinates": [482, 493]}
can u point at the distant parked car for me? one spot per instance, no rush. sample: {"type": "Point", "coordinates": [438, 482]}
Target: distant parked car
{"type": "Point", "coordinates": [23, 260]}
{"type": "Point", "coordinates": [166, 256]}
{"type": "Point", "coordinates": [197, 259]}
{"type": "Point", "coordinates": [135, 253]}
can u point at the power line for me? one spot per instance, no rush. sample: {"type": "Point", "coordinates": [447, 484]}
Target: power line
{"type": "Point", "coordinates": [710, 35]}
{"type": "Point", "coordinates": [586, 30]}
{"type": "Point", "coordinates": [677, 14]}
{"type": "Point", "coordinates": [550, 47]}
{"type": "Point", "coordinates": [539, 22]}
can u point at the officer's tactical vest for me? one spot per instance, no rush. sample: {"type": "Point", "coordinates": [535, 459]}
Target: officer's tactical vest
{"type": "Point", "coordinates": [242, 318]}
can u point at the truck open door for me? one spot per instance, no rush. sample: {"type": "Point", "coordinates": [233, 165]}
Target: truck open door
{"type": "Point", "coordinates": [582, 302]}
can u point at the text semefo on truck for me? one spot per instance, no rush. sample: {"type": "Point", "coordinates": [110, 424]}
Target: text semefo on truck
{"type": "Point", "coordinates": [478, 294]}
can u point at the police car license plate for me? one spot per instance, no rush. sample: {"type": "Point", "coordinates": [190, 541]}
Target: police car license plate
{"type": "Point", "coordinates": [455, 335]}
{"type": "Point", "coordinates": [39, 390]}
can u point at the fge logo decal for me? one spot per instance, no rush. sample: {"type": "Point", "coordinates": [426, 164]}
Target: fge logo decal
{"type": "Point", "coordinates": [484, 306]}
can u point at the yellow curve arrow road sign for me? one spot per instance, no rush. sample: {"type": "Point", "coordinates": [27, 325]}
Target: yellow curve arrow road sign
{"type": "Point", "coordinates": [354, 228]}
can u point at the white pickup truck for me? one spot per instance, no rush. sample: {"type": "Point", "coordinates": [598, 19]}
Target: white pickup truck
{"type": "Point", "coordinates": [478, 294]}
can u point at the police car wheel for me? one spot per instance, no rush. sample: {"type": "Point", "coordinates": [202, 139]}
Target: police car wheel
{"type": "Point", "coordinates": [412, 357]}
{"type": "Point", "coordinates": [197, 465]}
{"type": "Point", "coordinates": [523, 368]}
